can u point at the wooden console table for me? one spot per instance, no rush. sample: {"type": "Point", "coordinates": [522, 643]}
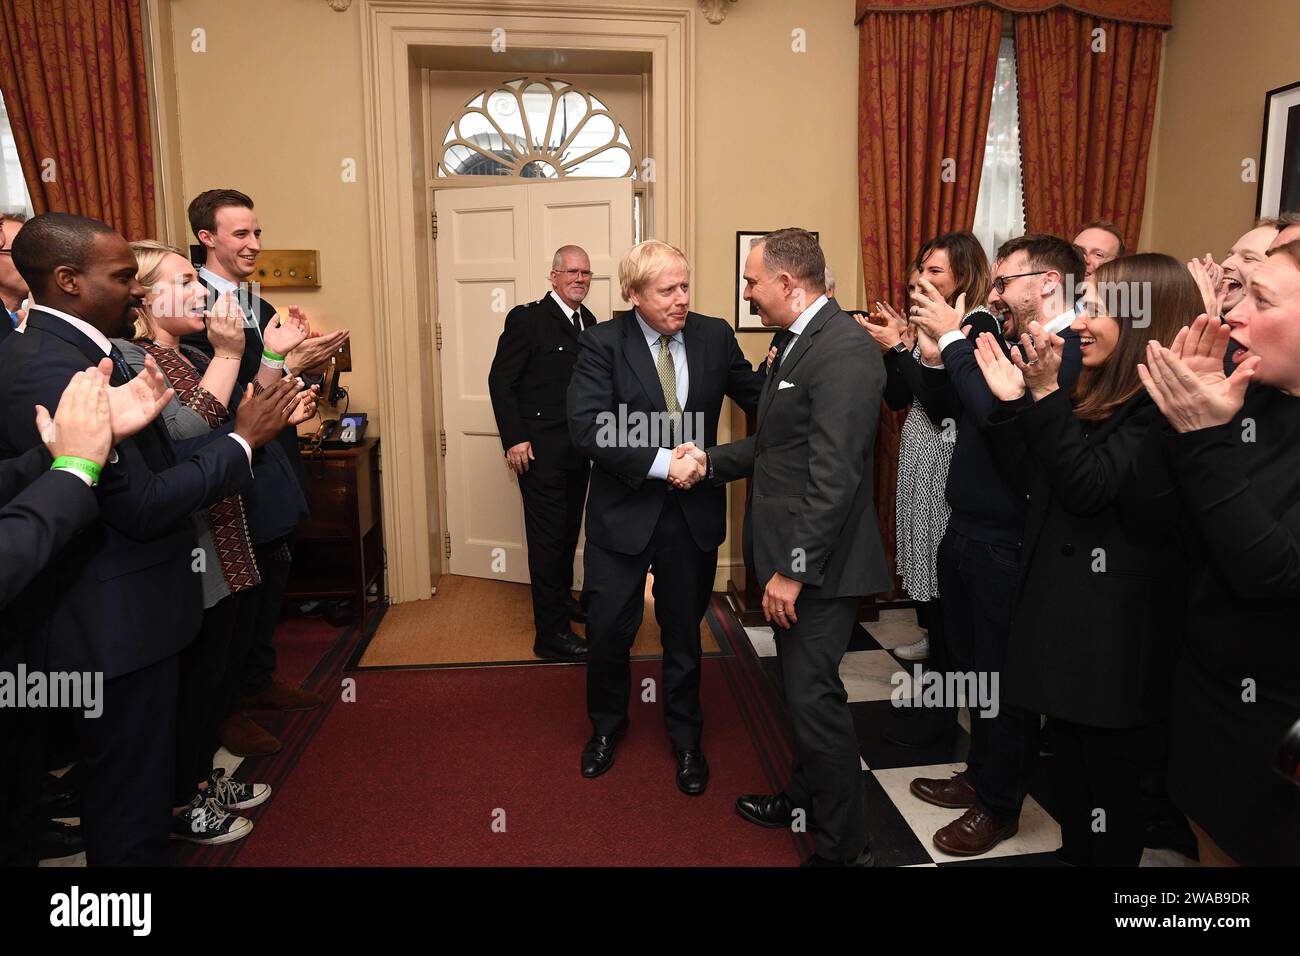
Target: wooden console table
{"type": "Point", "coordinates": [339, 551]}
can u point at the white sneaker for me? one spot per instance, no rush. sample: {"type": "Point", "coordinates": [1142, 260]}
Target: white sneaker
{"type": "Point", "coordinates": [916, 651]}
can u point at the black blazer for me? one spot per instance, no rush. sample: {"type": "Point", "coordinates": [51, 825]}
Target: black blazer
{"type": "Point", "coordinates": [812, 514]}
{"type": "Point", "coordinates": [615, 376]}
{"type": "Point", "coordinates": [1099, 611]}
{"type": "Point", "coordinates": [42, 511]}
{"type": "Point", "coordinates": [125, 596]}
{"type": "Point", "coordinates": [529, 380]}
{"type": "Point", "coordinates": [275, 507]}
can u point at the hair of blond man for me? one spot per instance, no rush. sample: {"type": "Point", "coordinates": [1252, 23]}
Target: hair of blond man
{"type": "Point", "coordinates": [643, 262]}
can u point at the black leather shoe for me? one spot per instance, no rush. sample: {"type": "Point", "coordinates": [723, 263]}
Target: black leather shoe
{"type": "Point", "coordinates": [863, 859]}
{"type": "Point", "coordinates": [775, 812]}
{"type": "Point", "coordinates": [565, 646]}
{"type": "Point", "coordinates": [692, 772]}
{"type": "Point", "coordinates": [52, 839]}
{"type": "Point", "coordinates": [575, 611]}
{"type": "Point", "coordinates": [598, 755]}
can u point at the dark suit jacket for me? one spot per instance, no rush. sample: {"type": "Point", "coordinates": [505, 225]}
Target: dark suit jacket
{"type": "Point", "coordinates": [1099, 612]}
{"type": "Point", "coordinates": [42, 511]}
{"type": "Point", "coordinates": [125, 596]}
{"type": "Point", "coordinates": [986, 491]}
{"type": "Point", "coordinates": [616, 376]}
{"type": "Point", "coordinates": [812, 515]}
{"type": "Point", "coordinates": [275, 506]}
{"type": "Point", "coordinates": [529, 380]}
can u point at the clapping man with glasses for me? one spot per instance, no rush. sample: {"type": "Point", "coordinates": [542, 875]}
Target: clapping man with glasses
{"type": "Point", "coordinates": [528, 383]}
{"type": "Point", "coordinates": [13, 290]}
{"type": "Point", "coordinates": [979, 558]}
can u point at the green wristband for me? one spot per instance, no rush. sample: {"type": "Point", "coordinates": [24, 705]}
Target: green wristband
{"type": "Point", "coordinates": [267, 353]}
{"type": "Point", "coordinates": [87, 468]}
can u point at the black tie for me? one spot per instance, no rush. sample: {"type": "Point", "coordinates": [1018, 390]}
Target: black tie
{"type": "Point", "coordinates": [121, 370]}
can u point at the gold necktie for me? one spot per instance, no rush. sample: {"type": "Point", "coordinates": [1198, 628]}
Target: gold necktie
{"type": "Point", "coordinates": [668, 382]}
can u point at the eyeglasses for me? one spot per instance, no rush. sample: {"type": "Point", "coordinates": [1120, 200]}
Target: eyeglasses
{"type": "Point", "coordinates": [575, 273]}
{"type": "Point", "coordinates": [1000, 283]}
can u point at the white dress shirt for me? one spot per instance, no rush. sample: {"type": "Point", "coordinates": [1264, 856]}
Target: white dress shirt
{"type": "Point", "coordinates": [568, 312]}
{"type": "Point", "coordinates": [677, 349]}
{"type": "Point", "coordinates": [798, 325]}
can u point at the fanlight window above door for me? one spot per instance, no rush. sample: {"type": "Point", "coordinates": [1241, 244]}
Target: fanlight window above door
{"type": "Point", "coordinates": [536, 129]}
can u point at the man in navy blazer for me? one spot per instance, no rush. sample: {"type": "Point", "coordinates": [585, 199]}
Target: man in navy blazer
{"type": "Point", "coordinates": [645, 381]}
{"type": "Point", "coordinates": [125, 599]}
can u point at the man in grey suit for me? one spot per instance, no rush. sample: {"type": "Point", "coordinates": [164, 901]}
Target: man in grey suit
{"type": "Point", "coordinates": [810, 529]}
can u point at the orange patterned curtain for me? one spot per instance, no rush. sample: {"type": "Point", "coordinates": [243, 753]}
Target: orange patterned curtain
{"type": "Point", "coordinates": [925, 88]}
{"type": "Point", "coordinates": [1155, 12]}
{"type": "Point", "coordinates": [1087, 102]}
{"type": "Point", "coordinates": [74, 85]}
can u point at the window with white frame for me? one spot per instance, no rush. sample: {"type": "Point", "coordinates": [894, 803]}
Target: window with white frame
{"type": "Point", "coordinates": [1000, 208]}
{"type": "Point", "coordinates": [13, 188]}
{"type": "Point", "coordinates": [536, 129]}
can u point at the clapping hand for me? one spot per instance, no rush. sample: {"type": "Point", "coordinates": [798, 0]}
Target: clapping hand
{"type": "Point", "coordinates": [687, 466]}
{"type": "Point", "coordinates": [226, 327]}
{"type": "Point", "coordinates": [932, 315]}
{"type": "Point", "coordinates": [1208, 276]}
{"type": "Point", "coordinates": [283, 334]}
{"type": "Point", "coordinates": [312, 355]}
{"type": "Point", "coordinates": [81, 427]}
{"type": "Point", "coordinates": [1005, 380]}
{"type": "Point", "coordinates": [1041, 364]}
{"type": "Point", "coordinates": [134, 405]}
{"type": "Point", "coordinates": [887, 327]}
{"type": "Point", "coordinates": [1187, 381]}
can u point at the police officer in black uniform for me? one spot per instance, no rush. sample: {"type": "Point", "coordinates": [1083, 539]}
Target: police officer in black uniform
{"type": "Point", "coordinates": [528, 381]}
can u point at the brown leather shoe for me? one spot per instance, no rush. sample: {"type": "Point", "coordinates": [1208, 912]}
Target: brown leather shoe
{"type": "Point", "coordinates": [244, 738]}
{"type": "Point", "coordinates": [281, 696]}
{"type": "Point", "coordinates": [953, 794]}
{"type": "Point", "coordinates": [975, 832]}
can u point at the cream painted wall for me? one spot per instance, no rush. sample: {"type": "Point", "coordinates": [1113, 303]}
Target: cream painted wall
{"type": "Point", "coordinates": [1219, 61]}
{"type": "Point", "coordinates": [274, 106]}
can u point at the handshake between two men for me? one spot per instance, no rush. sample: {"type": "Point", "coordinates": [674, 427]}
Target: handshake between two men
{"type": "Point", "coordinates": [689, 464]}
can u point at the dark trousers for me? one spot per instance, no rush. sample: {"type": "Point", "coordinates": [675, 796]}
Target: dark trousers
{"type": "Point", "coordinates": [918, 725]}
{"type": "Point", "coordinates": [614, 591]}
{"type": "Point", "coordinates": [129, 757]}
{"type": "Point", "coordinates": [553, 500]}
{"type": "Point", "coordinates": [1099, 775]}
{"type": "Point", "coordinates": [977, 585]}
{"type": "Point", "coordinates": [253, 656]}
{"type": "Point", "coordinates": [827, 776]}
{"type": "Point", "coordinates": [204, 682]}
{"type": "Point", "coordinates": [21, 776]}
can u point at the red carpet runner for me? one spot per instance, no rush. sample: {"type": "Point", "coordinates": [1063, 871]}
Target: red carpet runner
{"type": "Point", "coordinates": [416, 771]}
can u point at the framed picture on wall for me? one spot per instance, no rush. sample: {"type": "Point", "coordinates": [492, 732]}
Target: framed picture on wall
{"type": "Point", "coordinates": [1279, 153]}
{"type": "Point", "coordinates": [747, 319]}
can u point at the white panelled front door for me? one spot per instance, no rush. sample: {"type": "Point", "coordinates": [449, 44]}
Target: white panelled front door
{"type": "Point", "coordinates": [493, 252]}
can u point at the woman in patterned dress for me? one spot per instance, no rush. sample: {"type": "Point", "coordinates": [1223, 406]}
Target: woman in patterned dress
{"type": "Point", "coordinates": [207, 393]}
{"type": "Point", "coordinates": [955, 263]}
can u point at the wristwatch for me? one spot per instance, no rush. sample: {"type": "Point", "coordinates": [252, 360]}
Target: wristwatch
{"type": "Point", "coordinates": [900, 348]}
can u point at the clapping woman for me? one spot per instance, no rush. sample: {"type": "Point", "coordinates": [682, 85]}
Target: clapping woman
{"type": "Point", "coordinates": [1233, 445]}
{"type": "Point", "coordinates": [1097, 615]}
{"type": "Point", "coordinates": [206, 394]}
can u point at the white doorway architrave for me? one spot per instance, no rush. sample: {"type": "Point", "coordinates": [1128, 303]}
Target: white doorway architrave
{"type": "Point", "coordinates": [401, 288]}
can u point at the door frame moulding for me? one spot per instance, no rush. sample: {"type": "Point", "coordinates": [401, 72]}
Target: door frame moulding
{"type": "Point", "coordinates": [390, 30]}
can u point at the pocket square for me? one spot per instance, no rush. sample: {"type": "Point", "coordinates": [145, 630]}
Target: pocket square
{"type": "Point", "coordinates": [781, 385]}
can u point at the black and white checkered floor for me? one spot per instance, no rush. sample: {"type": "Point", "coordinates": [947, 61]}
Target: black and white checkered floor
{"type": "Point", "coordinates": [900, 825]}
